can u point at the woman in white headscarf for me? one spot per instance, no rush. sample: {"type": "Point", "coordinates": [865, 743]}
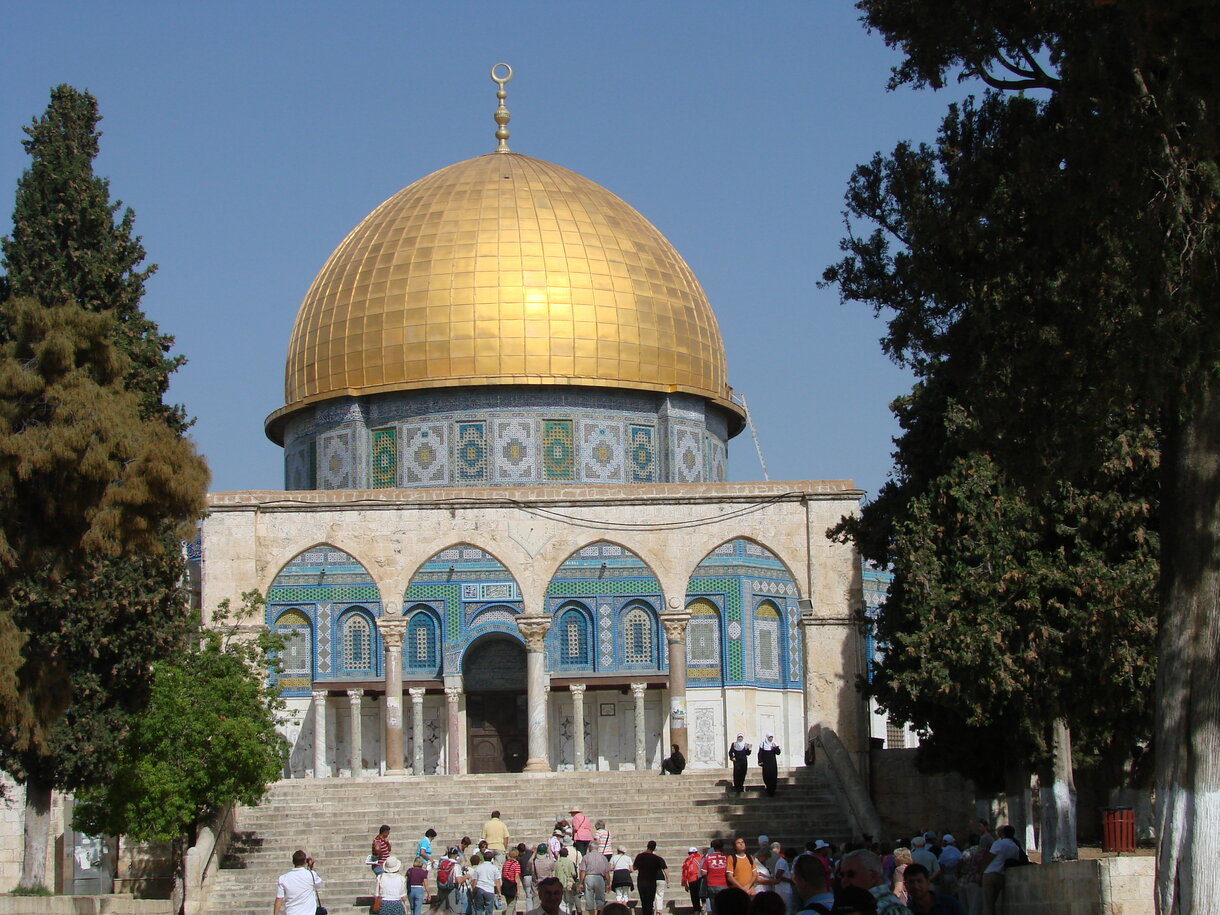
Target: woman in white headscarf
{"type": "Point", "coordinates": [739, 755]}
{"type": "Point", "coordinates": [767, 751]}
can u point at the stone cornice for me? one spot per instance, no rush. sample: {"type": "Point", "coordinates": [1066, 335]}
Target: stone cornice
{"type": "Point", "coordinates": [532, 496]}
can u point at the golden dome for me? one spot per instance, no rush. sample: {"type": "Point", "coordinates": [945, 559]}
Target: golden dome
{"type": "Point", "coordinates": [503, 270]}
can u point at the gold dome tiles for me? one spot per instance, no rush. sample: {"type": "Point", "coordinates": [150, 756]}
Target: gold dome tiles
{"type": "Point", "coordinates": [498, 270]}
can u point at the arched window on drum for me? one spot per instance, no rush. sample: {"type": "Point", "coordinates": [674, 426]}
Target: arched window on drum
{"type": "Point", "coordinates": [703, 663]}
{"type": "Point", "coordinates": [296, 658]}
{"type": "Point", "coordinates": [768, 632]}
{"type": "Point", "coordinates": [639, 637]}
{"type": "Point", "coordinates": [572, 643]}
{"type": "Point", "coordinates": [356, 642]}
{"type": "Point", "coordinates": [421, 648]}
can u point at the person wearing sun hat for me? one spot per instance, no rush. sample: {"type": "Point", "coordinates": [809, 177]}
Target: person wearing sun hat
{"type": "Point", "coordinates": [582, 830]}
{"type": "Point", "coordinates": [391, 889]}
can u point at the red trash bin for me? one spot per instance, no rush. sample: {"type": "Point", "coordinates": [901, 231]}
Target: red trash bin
{"type": "Point", "coordinates": [1117, 829]}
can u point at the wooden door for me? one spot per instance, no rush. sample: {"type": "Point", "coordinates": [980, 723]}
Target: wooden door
{"type": "Point", "coordinates": [498, 731]}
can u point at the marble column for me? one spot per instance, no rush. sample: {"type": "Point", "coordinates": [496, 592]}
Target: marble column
{"type": "Point", "coordinates": [641, 739]}
{"type": "Point", "coordinates": [392, 631]}
{"type": "Point", "coordinates": [675, 641]}
{"type": "Point", "coordinates": [355, 698]}
{"type": "Point", "coordinates": [578, 726]}
{"type": "Point", "coordinates": [453, 725]}
{"type": "Point", "coordinates": [319, 734]}
{"type": "Point", "coordinates": [533, 630]}
{"type": "Point", "coordinates": [417, 729]}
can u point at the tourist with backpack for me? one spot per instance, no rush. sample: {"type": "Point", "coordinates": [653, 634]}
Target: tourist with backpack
{"type": "Point", "coordinates": [450, 879]}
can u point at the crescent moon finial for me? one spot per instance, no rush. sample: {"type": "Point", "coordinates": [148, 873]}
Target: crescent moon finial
{"type": "Point", "coordinates": [502, 114]}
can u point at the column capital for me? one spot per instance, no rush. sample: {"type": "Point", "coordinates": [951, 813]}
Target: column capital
{"type": "Point", "coordinates": [675, 626]}
{"type": "Point", "coordinates": [320, 695]}
{"type": "Point", "coordinates": [578, 689]}
{"type": "Point", "coordinates": [638, 690]}
{"type": "Point", "coordinates": [355, 695]}
{"type": "Point", "coordinates": [393, 630]}
{"type": "Point", "coordinates": [546, 686]}
{"type": "Point", "coordinates": [453, 694]}
{"type": "Point", "coordinates": [416, 693]}
{"type": "Point", "coordinates": [534, 629]}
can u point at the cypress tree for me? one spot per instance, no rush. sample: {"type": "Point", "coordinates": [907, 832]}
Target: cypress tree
{"type": "Point", "coordinates": [96, 476]}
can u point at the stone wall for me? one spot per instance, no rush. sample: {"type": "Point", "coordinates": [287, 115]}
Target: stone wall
{"type": "Point", "coordinates": [1102, 886]}
{"type": "Point", "coordinates": [12, 842]}
{"type": "Point", "coordinates": [911, 802]}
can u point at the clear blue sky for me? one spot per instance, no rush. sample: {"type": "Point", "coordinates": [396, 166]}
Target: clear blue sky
{"type": "Point", "coordinates": [251, 137]}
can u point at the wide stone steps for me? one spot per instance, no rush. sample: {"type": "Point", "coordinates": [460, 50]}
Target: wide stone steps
{"type": "Point", "coordinates": [335, 819]}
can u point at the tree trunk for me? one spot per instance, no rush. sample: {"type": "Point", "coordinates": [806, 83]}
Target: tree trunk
{"type": "Point", "coordinates": [1188, 687]}
{"type": "Point", "coordinates": [1058, 799]}
{"type": "Point", "coordinates": [37, 833]}
{"type": "Point", "coordinates": [1020, 805]}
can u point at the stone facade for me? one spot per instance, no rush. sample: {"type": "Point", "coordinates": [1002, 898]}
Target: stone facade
{"type": "Point", "coordinates": [788, 652]}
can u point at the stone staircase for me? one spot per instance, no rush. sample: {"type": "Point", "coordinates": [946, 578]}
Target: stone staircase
{"type": "Point", "coordinates": [335, 819]}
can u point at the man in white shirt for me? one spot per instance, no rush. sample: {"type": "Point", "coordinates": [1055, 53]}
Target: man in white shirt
{"type": "Point", "coordinates": [1003, 850]}
{"type": "Point", "coordinates": [486, 878]}
{"type": "Point", "coordinates": [296, 891]}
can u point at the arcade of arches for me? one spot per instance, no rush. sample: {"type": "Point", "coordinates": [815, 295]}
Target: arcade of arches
{"type": "Point", "coordinates": [556, 630]}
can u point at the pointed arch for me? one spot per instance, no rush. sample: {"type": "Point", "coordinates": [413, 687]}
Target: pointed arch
{"type": "Point", "coordinates": [421, 650]}
{"type": "Point", "coordinates": [327, 584]}
{"type": "Point", "coordinates": [736, 576]}
{"type": "Point", "coordinates": [572, 637]}
{"type": "Point", "coordinates": [356, 655]}
{"type": "Point", "coordinates": [638, 624]}
{"type": "Point", "coordinates": [610, 579]}
{"type": "Point", "coordinates": [467, 587]}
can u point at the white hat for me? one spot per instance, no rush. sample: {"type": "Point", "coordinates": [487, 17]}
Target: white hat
{"type": "Point", "coordinates": [948, 838]}
{"type": "Point", "coordinates": [918, 842]}
{"type": "Point", "coordinates": [821, 844]}
{"type": "Point", "coordinates": [392, 865]}
{"type": "Point", "coordinates": [692, 850]}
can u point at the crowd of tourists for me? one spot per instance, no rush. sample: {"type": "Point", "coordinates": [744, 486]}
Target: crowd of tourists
{"type": "Point", "coordinates": [580, 870]}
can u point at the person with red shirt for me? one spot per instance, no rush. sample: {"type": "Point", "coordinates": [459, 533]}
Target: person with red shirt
{"type": "Point", "coordinates": [381, 850]}
{"type": "Point", "coordinates": [692, 879]}
{"type": "Point", "coordinates": [715, 864]}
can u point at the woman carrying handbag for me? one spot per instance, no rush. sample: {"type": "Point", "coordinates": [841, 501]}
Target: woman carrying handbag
{"type": "Point", "coordinates": [389, 898]}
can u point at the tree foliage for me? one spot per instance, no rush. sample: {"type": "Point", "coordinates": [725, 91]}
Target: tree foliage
{"type": "Point", "coordinates": [206, 738]}
{"type": "Point", "coordinates": [96, 477]}
{"type": "Point", "coordinates": [1054, 264]}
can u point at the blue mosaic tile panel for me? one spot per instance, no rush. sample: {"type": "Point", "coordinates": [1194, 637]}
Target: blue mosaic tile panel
{"type": "Point", "coordinates": [642, 458]}
{"type": "Point", "coordinates": [728, 590]}
{"type": "Point", "coordinates": [385, 459]}
{"type": "Point", "coordinates": [605, 633]}
{"type": "Point", "coordinates": [336, 459]}
{"type": "Point", "coordinates": [686, 455]}
{"type": "Point", "coordinates": [324, 616]}
{"type": "Point", "coordinates": [558, 461]}
{"type": "Point", "coordinates": [445, 600]}
{"type": "Point", "coordinates": [703, 641]}
{"type": "Point", "coordinates": [470, 453]}
{"type": "Point", "coordinates": [516, 451]}
{"type": "Point", "coordinates": [425, 454]}
{"type": "Point", "coordinates": [601, 452]}
{"type": "Point", "coordinates": [767, 642]}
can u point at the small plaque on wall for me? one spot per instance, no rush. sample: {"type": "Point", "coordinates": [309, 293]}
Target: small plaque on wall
{"type": "Point", "coordinates": [607, 709]}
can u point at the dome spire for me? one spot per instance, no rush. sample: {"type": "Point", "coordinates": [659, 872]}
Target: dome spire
{"type": "Point", "coordinates": [502, 114]}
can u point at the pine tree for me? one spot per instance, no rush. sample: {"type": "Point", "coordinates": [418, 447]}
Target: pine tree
{"type": "Point", "coordinates": [96, 477]}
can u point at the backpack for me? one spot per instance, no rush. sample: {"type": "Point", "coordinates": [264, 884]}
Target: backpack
{"type": "Point", "coordinates": [445, 874]}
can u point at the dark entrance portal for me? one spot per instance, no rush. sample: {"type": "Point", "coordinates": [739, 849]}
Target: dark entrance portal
{"type": "Point", "coordinates": [496, 720]}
